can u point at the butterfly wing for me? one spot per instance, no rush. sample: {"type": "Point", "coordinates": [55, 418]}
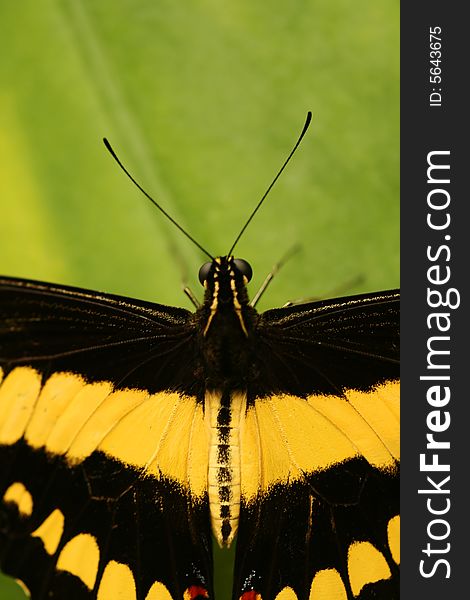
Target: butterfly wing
{"type": "Point", "coordinates": [85, 501]}
{"type": "Point", "coordinates": [320, 497]}
{"type": "Point", "coordinates": [102, 446]}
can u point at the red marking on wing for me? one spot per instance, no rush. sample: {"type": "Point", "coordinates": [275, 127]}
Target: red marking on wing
{"type": "Point", "coordinates": [251, 595]}
{"type": "Point", "coordinates": [195, 592]}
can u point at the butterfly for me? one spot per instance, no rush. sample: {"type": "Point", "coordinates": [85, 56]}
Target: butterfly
{"type": "Point", "coordinates": [132, 433]}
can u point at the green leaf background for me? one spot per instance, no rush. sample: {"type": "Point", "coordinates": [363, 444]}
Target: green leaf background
{"type": "Point", "coordinates": [202, 100]}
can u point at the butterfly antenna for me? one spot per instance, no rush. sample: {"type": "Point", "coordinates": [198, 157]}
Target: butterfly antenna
{"type": "Point", "coordinates": [304, 130]}
{"type": "Point", "coordinates": [154, 202]}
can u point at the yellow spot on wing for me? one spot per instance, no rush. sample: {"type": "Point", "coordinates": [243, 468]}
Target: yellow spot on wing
{"type": "Point", "coordinates": [173, 451]}
{"type": "Point", "coordinates": [366, 420]}
{"type": "Point", "coordinates": [74, 417]}
{"type": "Point", "coordinates": [18, 494]}
{"type": "Point", "coordinates": [393, 532]}
{"type": "Point", "coordinates": [117, 583]}
{"type": "Point", "coordinates": [283, 437]}
{"type": "Point", "coordinates": [327, 585]}
{"type": "Point", "coordinates": [389, 393]}
{"type": "Point", "coordinates": [162, 435]}
{"type": "Point", "coordinates": [250, 455]}
{"type": "Point", "coordinates": [18, 395]}
{"type": "Point", "coordinates": [80, 556]}
{"type": "Point", "coordinates": [113, 409]}
{"type": "Point", "coordinates": [50, 531]}
{"type": "Point", "coordinates": [380, 410]}
{"type": "Point", "coordinates": [365, 565]}
{"type": "Point", "coordinates": [58, 391]}
{"type": "Point", "coordinates": [288, 438]}
{"type": "Point", "coordinates": [135, 438]}
{"type": "Point", "coordinates": [198, 455]}
{"type": "Point", "coordinates": [286, 593]}
{"type": "Point", "coordinates": [313, 442]}
{"type": "Point", "coordinates": [158, 592]}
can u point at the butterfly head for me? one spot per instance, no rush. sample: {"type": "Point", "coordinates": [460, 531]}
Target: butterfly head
{"type": "Point", "coordinates": [224, 280]}
{"type": "Point", "coordinates": [225, 277]}
{"type": "Point", "coordinates": [227, 265]}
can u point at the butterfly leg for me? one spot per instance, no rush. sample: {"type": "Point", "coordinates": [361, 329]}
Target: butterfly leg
{"type": "Point", "coordinates": [190, 294]}
{"type": "Point", "coordinates": [341, 290]}
{"type": "Point", "coordinates": [270, 276]}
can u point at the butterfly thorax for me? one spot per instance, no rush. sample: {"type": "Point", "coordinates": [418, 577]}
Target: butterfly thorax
{"type": "Point", "coordinates": [226, 324]}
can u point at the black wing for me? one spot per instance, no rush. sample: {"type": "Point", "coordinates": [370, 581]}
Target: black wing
{"type": "Point", "coordinates": [86, 508]}
{"type": "Point", "coordinates": [105, 337]}
{"type": "Point", "coordinates": [322, 520]}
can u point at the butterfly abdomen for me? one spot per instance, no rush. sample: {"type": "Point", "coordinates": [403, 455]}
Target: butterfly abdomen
{"type": "Point", "coordinates": [223, 413]}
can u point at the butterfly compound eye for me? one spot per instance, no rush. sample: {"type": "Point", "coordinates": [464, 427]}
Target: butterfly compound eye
{"type": "Point", "coordinates": [244, 268]}
{"type": "Point", "coordinates": [204, 272]}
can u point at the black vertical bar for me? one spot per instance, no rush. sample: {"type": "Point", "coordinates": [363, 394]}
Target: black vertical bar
{"type": "Point", "coordinates": [435, 547]}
